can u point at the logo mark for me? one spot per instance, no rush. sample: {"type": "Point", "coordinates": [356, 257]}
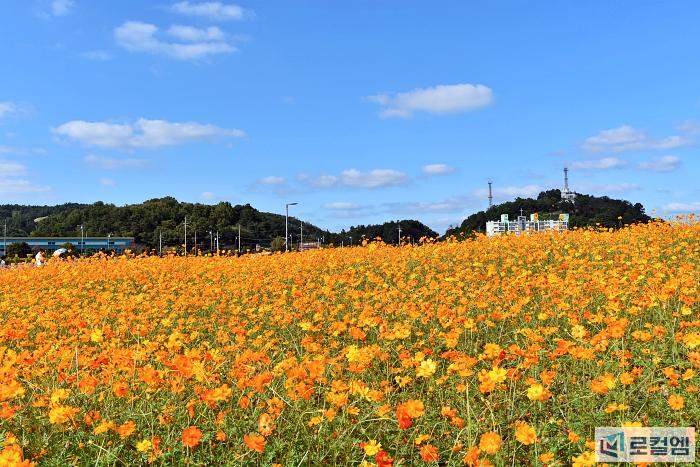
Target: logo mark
{"type": "Point", "coordinates": [612, 444]}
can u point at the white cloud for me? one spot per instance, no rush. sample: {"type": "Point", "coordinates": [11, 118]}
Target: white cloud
{"type": "Point", "coordinates": [11, 169]}
{"type": "Point", "coordinates": [691, 127]}
{"type": "Point", "coordinates": [437, 169]}
{"type": "Point", "coordinates": [626, 138]}
{"type": "Point", "coordinates": [21, 151]}
{"type": "Point", "coordinates": [97, 55]}
{"type": "Point", "coordinates": [15, 187]}
{"type": "Point", "coordinates": [272, 180]}
{"type": "Point", "coordinates": [441, 99]}
{"type": "Point", "coordinates": [61, 7]}
{"type": "Point", "coordinates": [141, 134]}
{"type": "Point", "coordinates": [208, 195]}
{"type": "Point", "coordinates": [192, 34]}
{"type": "Point", "coordinates": [356, 179]}
{"type": "Point", "coordinates": [8, 108]}
{"type": "Point", "coordinates": [606, 188]}
{"type": "Point", "coordinates": [322, 181]}
{"type": "Point", "coordinates": [107, 182]}
{"type": "Point", "coordinates": [599, 164]}
{"type": "Point", "coordinates": [661, 164]}
{"type": "Point", "coordinates": [136, 36]}
{"type": "Point", "coordinates": [372, 179]}
{"type": "Point", "coordinates": [212, 10]}
{"type": "Point", "coordinates": [683, 207]}
{"type": "Point", "coordinates": [341, 206]}
{"type": "Point", "coordinates": [108, 163]}
{"type": "Point", "coordinates": [454, 204]}
{"type": "Point", "coordinates": [526, 191]}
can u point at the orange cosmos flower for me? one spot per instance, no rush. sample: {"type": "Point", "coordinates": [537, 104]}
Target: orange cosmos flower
{"type": "Point", "coordinates": [429, 453]}
{"type": "Point", "coordinates": [255, 442]}
{"type": "Point", "coordinates": [405, 420]}
{"type": "Point", "coordinates": [676, 402]}
{"type": "Point", "coordinates": [490, 442]}
{"type": "Point", "coordinates": [525, 433]}
{"type": "Point", "coordinates": [414, 408]}
{"type": "Point", "coordinates": [61, 414]}
{"type": "Point", "coordinates": [191, 436]}
{"type": "Point", "coordinates": [471, 457]}
{"type": "Point", "coordinates": [126, 429]}
{"type": "Point", "coordinates": [265, 424]}
{"type": "Point", "coordinates": [383, 459]}
{"type": "Point", "coordinates": [537, 392]}
{"type": "Point", "coordinates": [120, 389]}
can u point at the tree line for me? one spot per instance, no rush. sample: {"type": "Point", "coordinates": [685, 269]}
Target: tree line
{"type": "Point", "coordinates": [164, 218]}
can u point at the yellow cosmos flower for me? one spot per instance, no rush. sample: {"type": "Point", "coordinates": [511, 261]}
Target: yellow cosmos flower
{"type": "Point", "coordinates": [372, 447]}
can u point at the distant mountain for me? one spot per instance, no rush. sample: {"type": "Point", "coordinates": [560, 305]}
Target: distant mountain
{"type": "Point", "coordinates": [148, 220]}
{"type": "Point", "coordinates": [586, 210]}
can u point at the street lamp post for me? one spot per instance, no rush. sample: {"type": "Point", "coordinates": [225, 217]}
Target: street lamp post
{"type": "Point", "coordinates": [4, 239]}
{"type": "Point", "coordinates": [350, 238]}
{"type": "Point", "coordinates": [185, 235]}
{"type": "Point", "coordinates": [286, 224]}
{"type": "Point", "coordinates": [108, 236]}
{"type": "Point", "coordinates": [82, 241]}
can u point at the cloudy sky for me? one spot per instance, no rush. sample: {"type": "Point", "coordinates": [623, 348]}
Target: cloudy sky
{"type": "Point", "coordinates": [360, 111]}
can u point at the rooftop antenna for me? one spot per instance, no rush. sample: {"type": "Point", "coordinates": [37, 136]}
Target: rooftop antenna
{"type": "Point", "coordinates": [490, 196]}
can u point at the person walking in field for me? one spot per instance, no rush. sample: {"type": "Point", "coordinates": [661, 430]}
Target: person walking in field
{"type": "Point", "coordinates": [3, 264]}
{"type": "Point", "coordinates": [40, 258]}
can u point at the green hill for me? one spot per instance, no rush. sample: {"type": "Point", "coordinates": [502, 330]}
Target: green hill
{"type": "Point", "coordinates": [388, 231]}
{"type": "Point", "coordinates": [585, 211]}
{"type": "Point", "coordinates": [146, 221]}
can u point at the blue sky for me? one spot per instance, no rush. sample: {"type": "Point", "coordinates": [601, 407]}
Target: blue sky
{"type": "Point", "coordinates": [360, 111]}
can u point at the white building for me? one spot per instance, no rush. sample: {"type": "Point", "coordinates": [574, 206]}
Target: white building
{"type": "Point", "coordinates": [523, 225]}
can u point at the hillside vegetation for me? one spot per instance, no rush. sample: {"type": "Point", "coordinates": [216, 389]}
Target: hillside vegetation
{"type": "Point", "coordinates": [146, 221]}
{"type": "Point", "coordinates": [587, 210]}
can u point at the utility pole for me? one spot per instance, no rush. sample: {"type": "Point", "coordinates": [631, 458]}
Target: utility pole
{"type": "Point", "coordinates": [399, 234]}
{"type": "Point", "coordinates": [4, 240]}
{"type": "Point", "coordinates": [239, 238]}
{"type": "Point", "coordinates": [160, 242]}
{"type": "Point", "coordinates": [195, 242]}
{"type": "Point", "coordinates": [301, 235]}
{"type": "Point", "coordinates": [217, 243]}
{"type": "Point", "coordinates": [185, 235]}
{"type": "Point", "coordinates": [286, 224]}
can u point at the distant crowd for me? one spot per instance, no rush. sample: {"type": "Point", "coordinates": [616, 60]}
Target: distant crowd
{"type": "Point", "coordinates": [40, 259]}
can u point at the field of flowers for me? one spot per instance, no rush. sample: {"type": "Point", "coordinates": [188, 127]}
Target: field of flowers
{"type": "Point", "coordinates": [503, 351]}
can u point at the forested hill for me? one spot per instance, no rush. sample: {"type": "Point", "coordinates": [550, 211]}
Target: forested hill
{"type": "Point", "coordinates": [21, 219]}
{"type": "Point", "coordinates": [585, 211]}
{"type": "Point", "coordinates": [147, 220]}
{"type": "Point", "coordinates": [411, 230]}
